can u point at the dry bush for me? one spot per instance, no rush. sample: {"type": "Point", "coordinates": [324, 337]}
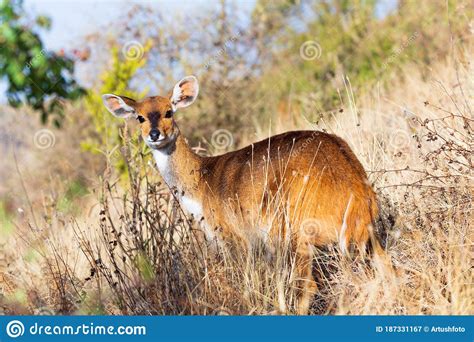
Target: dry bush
{"type": "Point", "coordinates": [151, 259]}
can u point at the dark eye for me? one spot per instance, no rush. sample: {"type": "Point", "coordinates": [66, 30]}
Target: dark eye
{"type": "Point", "coordinates": [140, 119]}
{"type": "Point", "coordinates": [169, 114]}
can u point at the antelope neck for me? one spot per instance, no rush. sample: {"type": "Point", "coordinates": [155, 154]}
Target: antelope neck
{"type": "Point", "coordinates": [179, 166]}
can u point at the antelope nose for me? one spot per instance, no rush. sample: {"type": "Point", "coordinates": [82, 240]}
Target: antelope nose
{"type": "Point", "coordinates": [154, 134]}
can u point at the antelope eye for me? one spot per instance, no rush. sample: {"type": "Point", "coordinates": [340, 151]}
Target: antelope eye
{"type": "Point", "coordinates": [140, 119]}
{"type": "Point", "coordinates": [168, 114]}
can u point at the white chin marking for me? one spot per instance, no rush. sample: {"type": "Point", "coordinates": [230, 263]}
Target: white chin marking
{"type": "Point", "coordinates": [155, 144]}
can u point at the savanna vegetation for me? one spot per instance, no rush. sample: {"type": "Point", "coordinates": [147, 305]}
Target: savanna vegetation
{"type": "Point", "coordinates": [88, 227]}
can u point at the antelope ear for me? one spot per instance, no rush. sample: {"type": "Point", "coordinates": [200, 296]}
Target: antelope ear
{"type": "Point", "coordinates": [120, 106]}
{"type": "Point", "coordinates": [184, 92]}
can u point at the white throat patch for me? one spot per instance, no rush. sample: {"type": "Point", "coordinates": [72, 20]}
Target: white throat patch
{"type": "Point", "coordinates": [192, 206]}
{"type": "Point", "coordinates": [162, 162]}
{"type": "Point", "coordinates": [189, 204]}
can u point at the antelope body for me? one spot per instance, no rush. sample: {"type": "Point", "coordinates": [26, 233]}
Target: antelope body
{"type": "Point", "coordinates": [306, 186]}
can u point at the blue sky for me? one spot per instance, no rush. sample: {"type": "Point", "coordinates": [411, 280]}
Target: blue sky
{"type": "Point", "coordinates": [73, 19]}
{"type": "Point", "coordinates": [76, 18]}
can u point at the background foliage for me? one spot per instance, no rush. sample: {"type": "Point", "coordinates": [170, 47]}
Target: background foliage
{"type": "Point", "coordinates": [86, 225]}
{"type": "Point", "coordinates": [40, 78]}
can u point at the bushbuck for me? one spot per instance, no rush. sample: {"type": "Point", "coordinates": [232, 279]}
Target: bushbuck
{"type": "Point", "coordinates": [307, 187]}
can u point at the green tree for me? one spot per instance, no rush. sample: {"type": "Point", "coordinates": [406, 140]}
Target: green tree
{"type": "Point", "coordinates": [116, 79]}
{"type": "Point", "coordinates": [34, 76]}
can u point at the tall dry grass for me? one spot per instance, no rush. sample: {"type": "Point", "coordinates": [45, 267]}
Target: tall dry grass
{"type": "Point", "coordinates": [131, 250]}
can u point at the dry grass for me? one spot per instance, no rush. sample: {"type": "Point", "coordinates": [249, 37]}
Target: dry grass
{"type": "Point", "coordinates": [130, 250]}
